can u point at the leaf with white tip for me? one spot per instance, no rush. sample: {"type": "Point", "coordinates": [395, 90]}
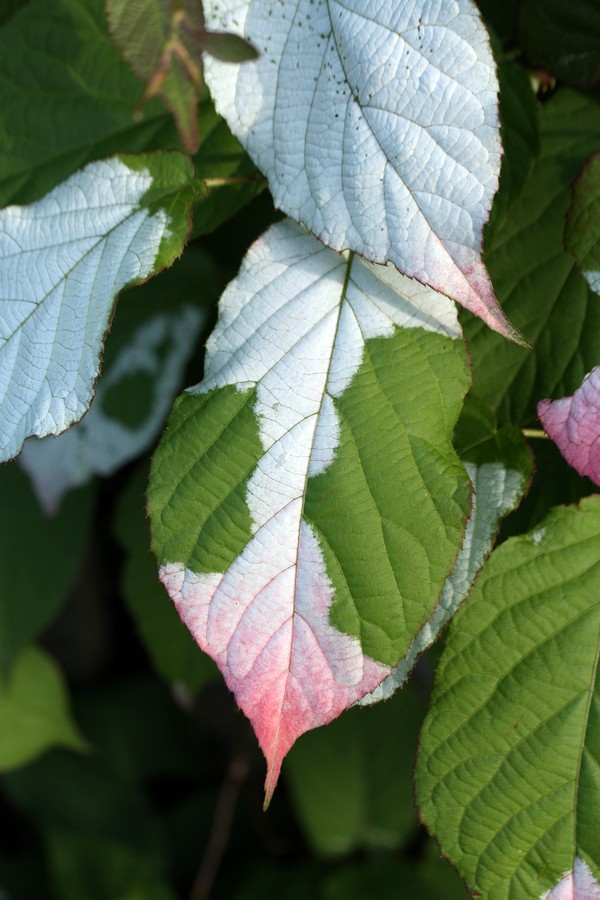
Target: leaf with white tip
{"type": "Point", "coordinates": [377, 130]}
{"type": "Point", "coordinates": [63, 260]}
{"type": "Point", "coordinates": [306, 501]}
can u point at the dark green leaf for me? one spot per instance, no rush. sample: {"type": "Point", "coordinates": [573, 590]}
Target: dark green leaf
{"type": "Point", "coordinates": [39, 559]}
{"type": "Point", "coordinates": [172, 650]}
{"type": "Point", "coordinates": [536, 280]}
{"type": "Point", "coordinates": [66, 97]}
{"type": "Point", "coordinates": [582, 228]}
{"type": "Point", "coordinates": [563, 38]}
{"type": "Point", "coordinates": [508, 777]}
{"type": "Point", "coordinates": [345, 802]}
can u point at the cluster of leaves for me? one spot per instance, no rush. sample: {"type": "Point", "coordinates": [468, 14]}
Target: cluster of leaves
{"type": "Point", "coordinates": [328, 495]}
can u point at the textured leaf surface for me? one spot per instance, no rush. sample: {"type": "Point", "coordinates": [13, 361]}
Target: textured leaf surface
{"type": "Point", "coordinates": [508, 777]}
{"type": "Point", "coordinates": [33, 711]}
{"type": "Point", "coordinates": [573, 423]}
{"type": "Point", "coordinates": [499, 466]}
{"type": "Point", "coordinates": [36, 572]}
{"type": "Point", "coordinates": [582, 228]}
{"type": "Point", "coordinates": [274, 508]}
{"type": "Point", "coordinates": [378, 132]}
{"type": "Point", "coordinates": [63, 259]}
{"type": "Point", "coordinates": [536, 280]}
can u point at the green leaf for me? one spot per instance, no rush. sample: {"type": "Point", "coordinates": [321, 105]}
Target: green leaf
{"type": "Point", "coordinates": [387, 878]}
{"type": "Point", "coordinates": [536, 280]}
{"type": "Point", "coordinates": [582, 228]}
{"type": "Point", "coordinates": [501, 16]}
{"type": "Point", "coordinates": [343, 801]}
{"type": "Point", "coordinates": [228, 47]}
{"type": "Point", "coordinates": [519, 129]}
{"type": "Point", "coordinates": [500, 467]}
{"type": "Point", "coordinates": [35, 571]}
{"type": "Point", "coordinates": [508, 777]}
{"type": "Point", "coordinates": [63, 259]}
{"type": "Point", "coordinates": [169, 644]}
{"type": "Point", "coordinates": [146, 351]}
{"type": "Point", "coordinates": [563, 38]}
{"type": "Point", "coordinates": [268, 475]}
{"type": "Point", "coordinates": [8, 8]}
{"type": "Point", "coordinates": [66, 97]}
{"type": "Point", "coordinates": [34, 714]}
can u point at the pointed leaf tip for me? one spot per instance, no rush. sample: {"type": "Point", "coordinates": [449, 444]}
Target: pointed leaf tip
{"type": "Point", "coordinates": [379, 133]}
{"type": "Point", "coordinates": [289, 669]}
{"type": "Point", "coordinates": [281, 526]}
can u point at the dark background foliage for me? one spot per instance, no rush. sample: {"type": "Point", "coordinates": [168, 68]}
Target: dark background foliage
{"type": "Point", "coordinates": [164, 797]}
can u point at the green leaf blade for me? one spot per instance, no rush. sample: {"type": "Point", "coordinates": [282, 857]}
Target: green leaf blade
{"type": "Point", "coordinates": [35, 572]}
{"type": "Point", "coordinates": [33, 711]}
{"type": "Point", "coordinates": [508, 776]}
{"type": "Point", "coordinates": [536, 280]}
{"type": "Point", "coordinates": [66, 98]}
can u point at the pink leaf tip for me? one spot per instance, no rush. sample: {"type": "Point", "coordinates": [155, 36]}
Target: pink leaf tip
{"type": "Point", "coordinates": [265, 622]}
{"type": "Point", "coordinates": [573, 423]}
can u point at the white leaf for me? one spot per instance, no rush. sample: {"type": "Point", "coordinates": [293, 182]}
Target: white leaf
{"type": "Point", "coordinates": [62, 261]}
{"type": "Point", "coordinates": [101, 443]}
{"type": "Point", "coordinates": [376, 126]}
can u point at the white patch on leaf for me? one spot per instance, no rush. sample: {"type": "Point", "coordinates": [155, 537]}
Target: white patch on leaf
{"type": "Point", "coordinates": [579, 884]}
{"type": "Point", "coordinates": [293, 326]}
{"type": "Point", "coordinates": [99, 443]}
{"type": "Point", "coordinates": [62, 261]}
{"type": "Point", "coordinates": [377, 130]}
